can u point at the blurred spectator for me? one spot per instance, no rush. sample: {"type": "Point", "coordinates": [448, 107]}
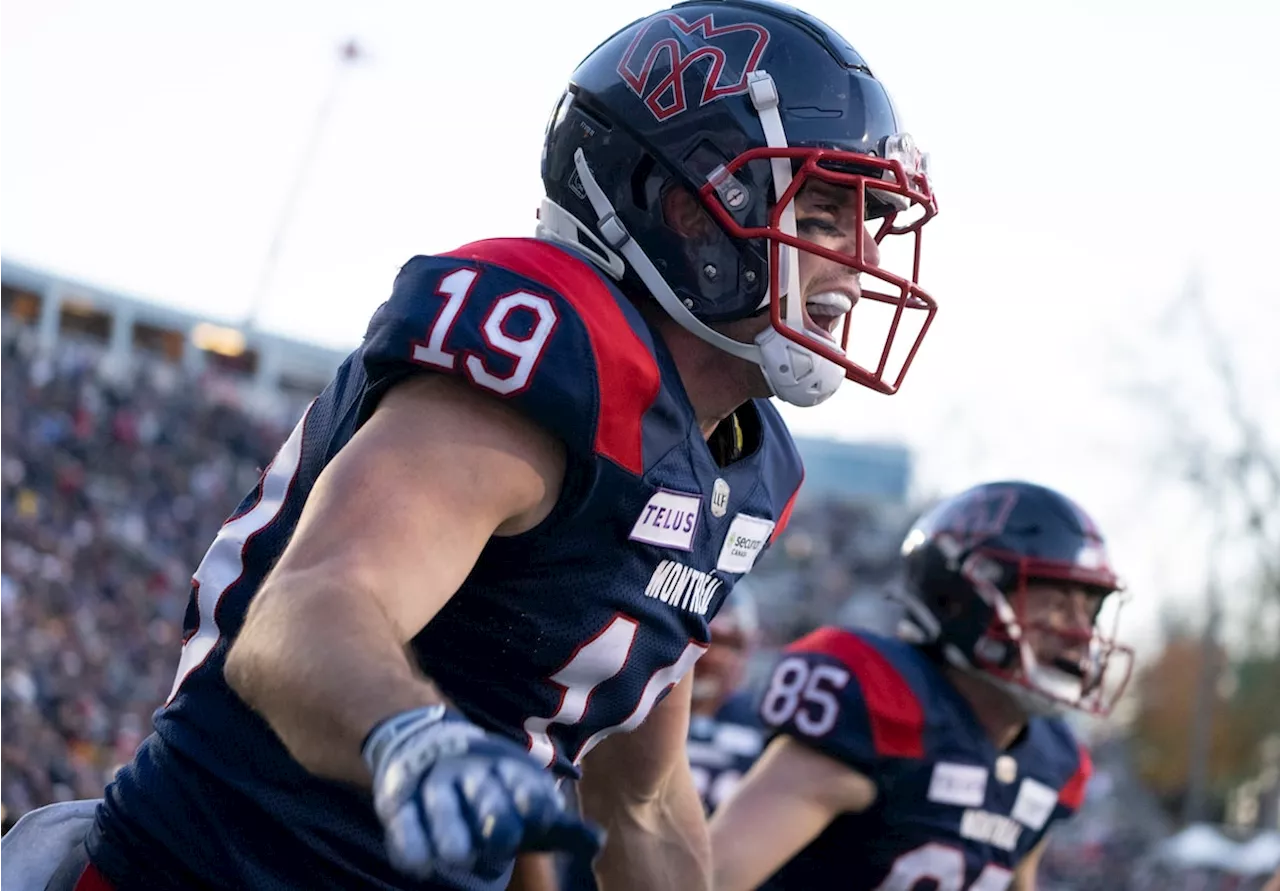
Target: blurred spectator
{"type": "Point", "coordinates": [111, 489]}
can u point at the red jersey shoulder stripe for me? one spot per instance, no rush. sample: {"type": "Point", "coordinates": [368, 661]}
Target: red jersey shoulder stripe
{"type": "Point", "coordinates": [627, 373]}
{"type": "Point", "coordinates": [894, 710]}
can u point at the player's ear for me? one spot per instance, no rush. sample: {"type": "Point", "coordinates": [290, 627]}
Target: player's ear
{"type": "Point", "coordinates": [684, 213]}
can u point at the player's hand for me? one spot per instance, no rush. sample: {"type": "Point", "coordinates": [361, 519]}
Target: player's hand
{"type": "Point", "coordinates": [448, 794]}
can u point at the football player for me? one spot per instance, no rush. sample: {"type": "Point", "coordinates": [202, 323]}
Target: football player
{"type": "Point", "coordinates": [488, 555]}
{"type": "Point", "coordinates": [939, 758]}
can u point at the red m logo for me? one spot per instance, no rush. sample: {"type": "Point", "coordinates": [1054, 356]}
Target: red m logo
{"type": "Point", "coordinates": [668, 42]}
{"type": "Point", "coordinates": [980, 516]}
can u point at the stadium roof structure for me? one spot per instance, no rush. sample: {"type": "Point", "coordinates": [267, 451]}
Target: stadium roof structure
{"type": "Point", "coordinates": [264, 368]}
{"type": "Point", "coordinates": [59, 308]}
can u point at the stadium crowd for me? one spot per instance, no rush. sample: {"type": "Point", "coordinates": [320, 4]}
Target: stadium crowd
{"type": "Point", "coordinates": [112, 486]}
{"type": "Point", "coordinates": [114, 483]}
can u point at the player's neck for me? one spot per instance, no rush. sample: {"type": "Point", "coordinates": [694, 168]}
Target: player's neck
{"type": "Point", "coordinates": [711, 378]}
{"type": "Point", "coordinates": [998, 713]}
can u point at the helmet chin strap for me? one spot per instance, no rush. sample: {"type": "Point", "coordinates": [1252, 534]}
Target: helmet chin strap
{"type": "Point", "coordinates": [1051, 681]}
{"type": "Point", "coordinates": [1032, 701]}
{"type": "Point", "coordinates": [795, 374]}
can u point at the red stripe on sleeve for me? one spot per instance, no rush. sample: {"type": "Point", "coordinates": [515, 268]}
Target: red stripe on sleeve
{"type": "Point", "coordinates": [628, 376]}
{"type": "Point", "coordinates": [1072, 794]}
{"type": "Point", "coordinates": [897, 718]}
{"type": "Point", "coordinates": [92, 880]}
{"type": "Point", "coordinates": [785, 517]}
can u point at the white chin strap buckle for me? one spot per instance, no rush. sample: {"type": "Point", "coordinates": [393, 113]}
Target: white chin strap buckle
{"type": "Point", "coordinates": [795, 374]}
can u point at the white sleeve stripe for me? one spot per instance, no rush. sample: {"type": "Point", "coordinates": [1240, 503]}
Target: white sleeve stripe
{"type": "Point", "coordinates": [223, 563]}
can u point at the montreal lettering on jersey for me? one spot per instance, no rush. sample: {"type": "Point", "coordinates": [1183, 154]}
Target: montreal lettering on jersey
{"type": "Point", "coordinates": [682, 587]}
{"type": "Point", "coordinates": [991, 829]}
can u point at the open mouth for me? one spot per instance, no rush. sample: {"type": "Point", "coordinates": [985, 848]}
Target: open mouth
{"type": "Point", "coordinates": [825, 311]}
{"type": "Point", "coordinates": [1070, 666]}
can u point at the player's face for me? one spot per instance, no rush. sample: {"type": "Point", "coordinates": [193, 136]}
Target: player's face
{"type": "Point", "coordinates": [827, 215]}
{"type": "Point", "coordinates": [1059, 621]}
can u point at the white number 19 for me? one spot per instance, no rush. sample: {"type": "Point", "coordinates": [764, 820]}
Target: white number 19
{"type": "Point", "coordinates": [456, 288]}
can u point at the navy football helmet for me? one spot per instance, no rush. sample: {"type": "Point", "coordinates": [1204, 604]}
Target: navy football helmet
{"type": "Point", "coordinates": [743, 103]}
{"type": "Point", "coordinates": [968, 564]}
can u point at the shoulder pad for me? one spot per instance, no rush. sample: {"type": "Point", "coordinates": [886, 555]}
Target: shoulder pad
{"type": "Point", "coordinates": [526, 321]}
{"type": "Point", "coordinates": [834, 690]}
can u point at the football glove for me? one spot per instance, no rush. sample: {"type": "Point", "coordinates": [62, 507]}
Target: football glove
{"type": "Point", "coordinates": [449, 794]}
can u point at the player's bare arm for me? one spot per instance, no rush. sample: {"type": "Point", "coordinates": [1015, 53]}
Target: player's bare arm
{"type": "Point", "coordinates": [534, 872]}
{"type": "Point", "coordinates": [1024, 877]}
{"type": "Point", "coordinates": [392, 528]}
{"type": "Point", "coordinates": [787, 798]}
{"type": "Point", "coordinates": [639, 787]}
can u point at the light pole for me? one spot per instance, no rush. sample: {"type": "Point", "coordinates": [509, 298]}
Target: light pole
{"type": "Point", "coordinates": [348, 54]}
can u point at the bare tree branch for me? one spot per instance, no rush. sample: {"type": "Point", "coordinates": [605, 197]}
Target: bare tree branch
{"type": "Point", "coordinates": [1236, 476]}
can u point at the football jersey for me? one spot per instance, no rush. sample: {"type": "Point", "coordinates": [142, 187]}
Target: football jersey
{"type": "Point", "coordinates": [558, 637]}
{"type": "Point", "coordinates": [952, 811]}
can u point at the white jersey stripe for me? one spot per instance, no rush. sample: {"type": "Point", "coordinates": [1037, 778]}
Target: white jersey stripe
{"type": "Point", "coordinates": [223, 563]}
{"type": "Point", "coordinates": [661, 680]}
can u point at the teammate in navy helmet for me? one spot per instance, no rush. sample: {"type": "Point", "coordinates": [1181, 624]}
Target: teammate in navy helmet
{"type": "Point", "coordinates": [938, 757]}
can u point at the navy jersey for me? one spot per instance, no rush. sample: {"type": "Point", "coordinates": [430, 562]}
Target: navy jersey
{"type": "Point", "coordinates": [557, 638]}
{"type": "Point", "coordinates": [952, 811]}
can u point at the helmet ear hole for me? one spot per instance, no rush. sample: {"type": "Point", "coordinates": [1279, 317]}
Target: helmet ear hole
{"type": "Point", "coordinates": [640, 182]}
{"type": "Point", "coordinates": [950, 609]}
{"type": "Point", "coordinates": [684, 214]}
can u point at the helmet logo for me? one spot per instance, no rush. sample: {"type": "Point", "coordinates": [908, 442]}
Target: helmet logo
{"type": "Point", "coordinates": [670, 44]}
{"type": "Point", "coordinates": [980, 516]}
